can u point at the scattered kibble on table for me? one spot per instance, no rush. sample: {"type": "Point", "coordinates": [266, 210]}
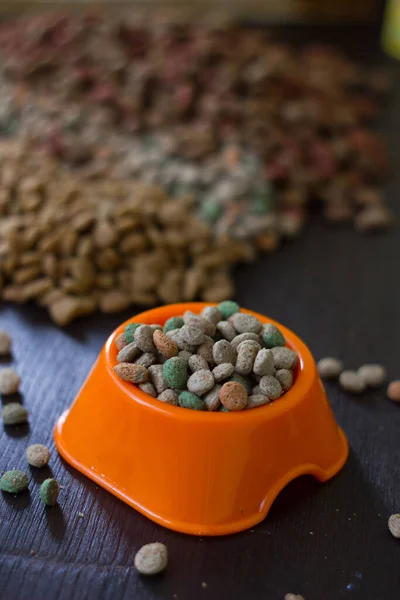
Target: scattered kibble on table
{"type": "Point", "coordinates": [222, 359]}
{"type": "Point", "coordinates": [38, 455]}
{"type": "Point", "coordinates": [294, 597]}
{"type": "Point", "coordinates": [14, 481]}
{"type": "Point", "coordinates": [352, 382]}
{"type": "Point", "coordinates": [5, 343]}
{"type": "Point", "coordinates": [372, 375]}
{"type": "Point", "coordinates": [14, 414]}
{"type": "Point", "coordinates": [9, 381]}
{"type": "Point", "coordinates": [49, 491]}
{"type": "Point", "coordinates": [393, 391]}
{"type": "Point", "coordinates": [151, 559]}
{"type": "Point", "coordinates": [394, 525]}
{"type": "Point", "coordinates": [330, 368]}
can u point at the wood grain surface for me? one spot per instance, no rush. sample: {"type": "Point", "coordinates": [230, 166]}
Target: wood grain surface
{"type": "Point", "coordinates": [341, 293]}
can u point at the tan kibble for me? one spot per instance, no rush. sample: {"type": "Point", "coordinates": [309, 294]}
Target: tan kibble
{"type": "Point", "coordinates": [394, 525]}
{"type": "Point", "coordinates": [294, 597]}
{"type": "Point", "coordinates": [330, 368]}
{"type": "Point", "coordinates": [131, 372]}
{"type": "Point", "coordinates": [393, 391]}
{"type": "Point", "coordinates": [5, 343]}
{"type": "Point", "coordinates": [114, 301]}
{"type": "Point", "coordinates": [38, 455]}
{"type": "Point", "coordinates": [233, 396]}
{"type": "Point", "coordinates": [351, 382]}
{"type": "Point", "coordinates": [372, 375]}
{"type": "Point", "coordinates": [164, 344]}
{"type": "Point", "coordinates": [68, 308]}
{"type": "Point", "coordinates": [9, 381]}
{"type": "Point", "coordinates": [151, 559]}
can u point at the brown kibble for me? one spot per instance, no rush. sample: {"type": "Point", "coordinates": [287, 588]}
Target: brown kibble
{"type": "Point", "coordinates": [38, 455]}
{"type": "Point", "coordinates": [131, 372]}
{"type": "Point", "coordinates": [164, 344]}
{"type": "Point", "coordinates": [68, 308]}
{"type": "Point", "coordinates": [114, 301]}
{"type": "Point", "coordinates": [233, 396]}
{"type": "Point", "coordinates": [120, 341]}
{"type": "Point", "coordinates": [393, 390]}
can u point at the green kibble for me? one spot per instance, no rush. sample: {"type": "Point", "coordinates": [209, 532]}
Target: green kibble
{"type": "Point", "coordinates": [211, 211]}
{"type": "Point", "coordinates": [227, 308]}
{"type": "Point", "coordinates": [129, 331]}
{"type": "Point", "coordinates": [272, 337]}
{"type": "Point", "coordinates": [223, 408]}
{"type": "Point", "coordinates": [175, 372]}
{"type": "Point", "coordinates": [49, 492]}
{"type": "Point", "coordinates": [14, 482]}
{"type": "Point", "coordinates": [14, 414]}
{"type": "Point", "coordinates": [189, 400]}
{"type": "Point", "coordinates": [242, 380]}
{"type": "Point", "coordinates": [173, 323]}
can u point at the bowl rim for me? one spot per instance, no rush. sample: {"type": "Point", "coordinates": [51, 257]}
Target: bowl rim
{"type": "Point", "coordinates": [305, 376]}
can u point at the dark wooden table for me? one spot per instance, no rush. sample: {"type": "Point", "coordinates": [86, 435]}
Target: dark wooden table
{"type": "Point", "coordinates": [339, 291]}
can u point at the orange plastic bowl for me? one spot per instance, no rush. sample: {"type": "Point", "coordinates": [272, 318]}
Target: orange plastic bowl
{"type": "Point", "coordinates": [203, 473]}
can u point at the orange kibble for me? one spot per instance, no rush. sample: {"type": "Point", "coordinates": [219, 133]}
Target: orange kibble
{"type": "Point", "coordinates": [393, 391]}
{"type": "Point", "coordinates": [233, 395]}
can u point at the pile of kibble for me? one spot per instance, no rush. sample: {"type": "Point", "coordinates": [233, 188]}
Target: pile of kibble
{"type": "Point", "coordinates": [219, 360]}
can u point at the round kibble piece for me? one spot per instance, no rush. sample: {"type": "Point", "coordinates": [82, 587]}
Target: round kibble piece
{"type": "Point", "coordinates": [264, 363]}
{"type": "Point", "coordinates": [38, 455]}
{"type": "Point", "coordinates": [372, 375]}
{"type": "Point", "coordinates": [206, 326]}
{"type": "Point", "coordinates": [146, 359]}
{"type": "Point", "coordinates": [201, 382]}
{"type": "Point", "coordinates": [285, 378]}
{"type": "Point", "coordinates": [212, 313]}
{"type": "Point", "coordinates": [169, 397]}
{"type": "Point", "coordinates": [293, 597]}
{"type": "Point", "coordinates": [190, 400]}
{"type": "Point", "coordinates": [330, 368]}
{"type": "Point", "coordinates": [250, 343]}
{"type": "Point", "coordinates": [351, 382]}
{"type": "Point", "coordinates": [120, 341]}
{"type": "Point", "coordinates": [151, 558]}
{"type": "Point", "coordinates": [148, 388]}
{"type": "Point", "coordinates": [244, 323]}
{"type": "Point", "coordinates": [14, 482]}
{"type": "Point", "coordinates": [223, 352]}
{"type": "Point", "coordinates": [164, 344]}
{"type": "Point", "coordinates": [128, 353]}
{"type": "Point", "coordinates": [173, 323]}
{"type": "Point", "coordinates": [198, 363]}
{"type": "Point", "coordinates": [393, 391]}
{"type": "Point", "coordinates": [5, 343]}
{"type": "Point", "coordinates": [129, 332]}
{"type": "Point", "coordinates": [185, 355]}
{"type": "Point", "coordinates": [256, 400]}
{"type": "Point", "coordinates": [9, 381]}
{"type": "Point", "coordinates": [394, 525]}
{"type": "Point", "coordinates": [233, 396]}
{"type": "Point", "coordinates": [246, 356]}
{"type": "Point", "coordinates": [157, 379]}
{"type": "Point", "coordinates": [284, 358]}
{"type": "Point", "coordinates": [175, 372]}
{"type": "Point", "coordinates": [181, 343]}
{"type": "Point", "coordinates": [223, 371]}
{"type": "Point", "coordinates": [244, 381]}
{"type": "Point", "coordinates": [191, 335]}
{"type": "Point", "coordinates": [227, 330]}
{"type": "Point", "coordinates": [49, 491]}
{"type": "Point", "coordinates": [270, 387]}
{"type": "Point", "coordinates": [206, 351]}
{"type": "Point", "coordinates": [227, 308]}
{"type": "Point", "coordinates": [244, 337]}
{"type": "Point", "coordinates": [132, 373]}
{"type": "Point", "coordinates": [211, 399]}
{"type": "Point", "coordinates": [143, 338]}
{"type": "Point", "coordinates": [272, 336]}
{"type": "Point", "coordinates": [14, 414]}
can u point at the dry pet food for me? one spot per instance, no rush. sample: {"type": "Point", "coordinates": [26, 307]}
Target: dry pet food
{"type": "Point", "coordinates": [38, 455]}
{"type": "Point", "coordinates": [5, 343]}
{"type": "Point", "coordinates": [14, 482]}
{"type": "Point", "coordinates": [14, 414]}
{"type": "Point", "coordinates": [193, 368]}
{"type": "Point", "coordinates": [393, 391]}
{"type": "Point", "coordinates": [49, 491]}
{"type": "Point", "coordinates": [151, 558]}
{"type": "Point", "coordinates": [9, 381]}
{"type": "Point", "coordinates": [372, 375]}
{"type": "Point", "coordinates": [394, 525]}
{"type": "Point", "coordinates": [330, 368]}
{"type": "Point", "coordinates": [352, 382]}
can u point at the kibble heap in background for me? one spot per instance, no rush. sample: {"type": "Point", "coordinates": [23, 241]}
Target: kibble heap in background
{"type": "Point", "coordinates": [214, 117]}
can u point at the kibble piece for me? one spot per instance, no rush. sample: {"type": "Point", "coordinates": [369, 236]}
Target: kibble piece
{"type": "Point", "coordinates": [164, 344]}
{"type": "Point", "coordinates": [185, 355]}
{"type": "Point", "coordinates": [270, 387]}
{"type": "Point", "coordinates": [132, 373]}
{"type": "Point", "coordinates": [211, 399]}
{"type": "Point", "coordinates": [244, 337]}
{"type": "Point", "coordinates": [245, 358]}
{"type": "Point", "coordinates": [175, 372]}
{"type": "Point", "coordinates": [38, 455]}
{"type": "Point", "coordinates": [198, 363]}
{"type": "Point", "coordinates": [129, 332]}
{"type": "Point", "coordinates": [264, 363]}
{"type": "Point", "coordinates": [207, 327]}
{"type": "Point", "coordinates": [49, 491]}
{"type": "Point", "coordinates": [128, 353]}
{"type": "Point", "coordinates": [169, 397]}
{"type": "Point", "coordinates": [351, 382]}
{"type": "Point", "coordinates": [285, 378]}
{"type": "Point", "coordinates": [206, 351]}
{"type": "Point", "coordinates": [250, 344]}
{"type": "Point", "coordinates": [372, 375]}
{"type": "Point", "coordinates": [14, 482]}
{"type": "Point", "coordinates": [227, 330]}
{"type": "Point", "coordinates": [151, 559]}
{"type": "Point", "coordinates": [256, 390]}
{"type": "Point", "coordinates": [223, 408]}
{"type": "Point", "coordinates": [173, 323]}
{"type": "Point", "coordinates": [143, 338]}
{"type": "Point", "coordinates": [157, 379]}
{"type": "Point", "coordinates": [120, 341]}
{"type": "Point", "coordinates": [223, 371]}
{"type": "Point", "coordinates": [191, 400]}
{"type": "Point", "coordinates": [272, 336]}
{"type": "Point", "coordinates": [9, 381]}
{"type": "Point", "coordinates": [293, 597]}
{"type": "Point", "coordinates": [394, 525]}
{"type": "Point", "coordinates": [284, 358]}
{"type": "Point", "coordinates": [191, 335]}
{"type": "Point", "coordinates": [212, 313]}
{"type": "Point", "coordinates": [14, 414]}
{"type": "Point", "coordinates": [330, 368]}
{"type": "Point", "coordinates": [244, 323]}
{"type": "Point", "coordinates": [223, 352]}
{"type": "Point", "coordinates": [201, 382]}
{"type": "Point", "coordinates": [146, 359]}
{"type": "Point", "coordinates": [5, 343]}
{"type": "Point", "coordinates": [227, 308]}
{"type": "Point", "coordinates": [256, 400]}
{"type": "Point", "coordinates": [156, 327]}
{"type": "Point", "coordinates": [393, 391]}
{"type": "Point", "coordinates": [181, 343]}
{"type": "Point", "coordinates": [148, 388]}
{"type": "Point", "coordinates": [233, 396]}
{"type": "Point", "coordinates": [244, 381]}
